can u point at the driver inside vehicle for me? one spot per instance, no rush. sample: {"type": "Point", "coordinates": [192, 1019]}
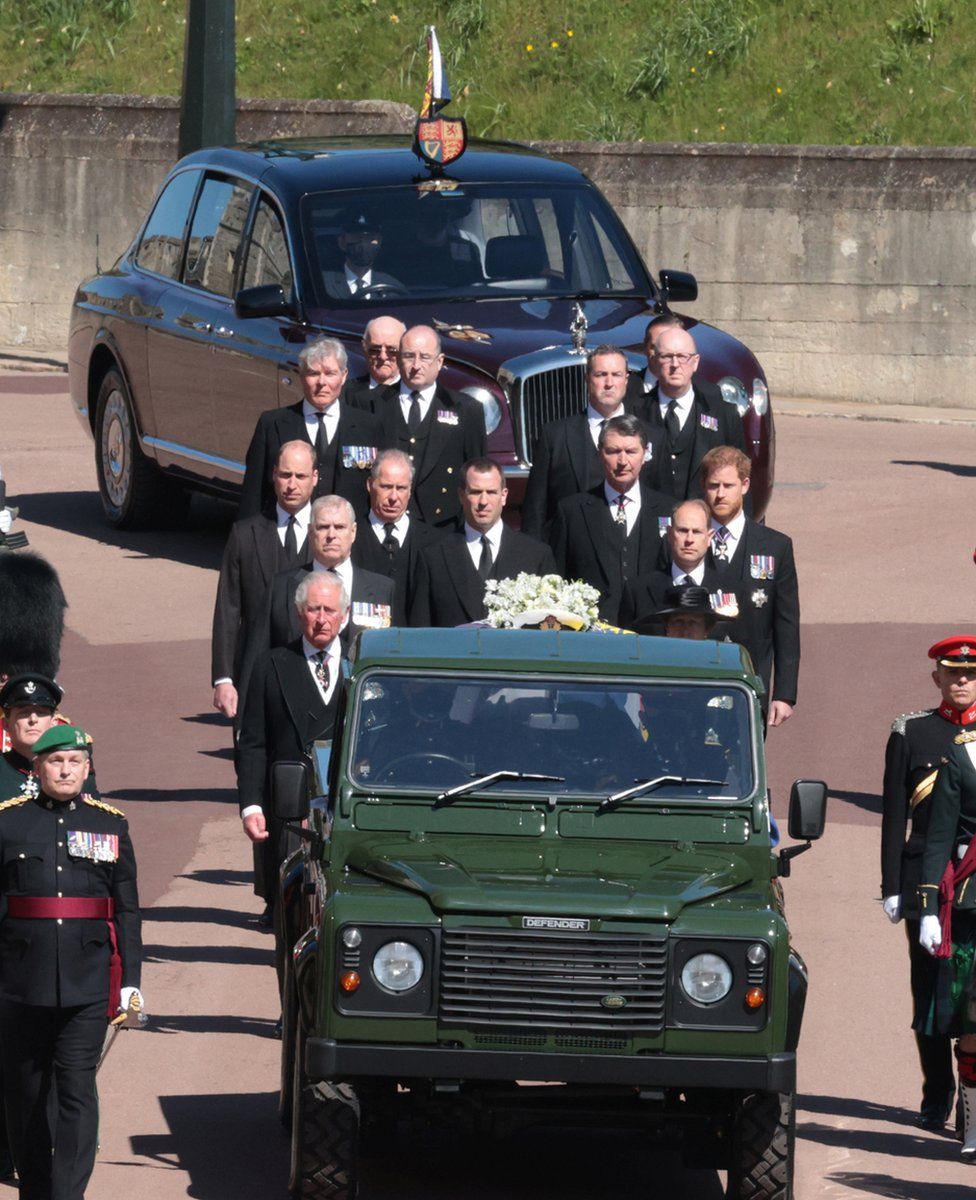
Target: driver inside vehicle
{"type": "Point", "coordinates": [433, 253]}
{"type": "Point", "coordinates": [359, 243]}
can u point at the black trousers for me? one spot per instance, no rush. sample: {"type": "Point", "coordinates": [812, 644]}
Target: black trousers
{"type": "Point", "coordinates": [47, 1050]}
{"type": "Point", "coordinates": [934, 1050]}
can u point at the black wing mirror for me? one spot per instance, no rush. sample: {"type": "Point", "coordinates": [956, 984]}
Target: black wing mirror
{"type": "Point", "coordinates": [268, 300]}
{"type": "Point", "coordinates": [677, 285]}
{"type": "Point", "coordinates": [808, 812]}
{"type": "Point", "coordinates": [289, 791]}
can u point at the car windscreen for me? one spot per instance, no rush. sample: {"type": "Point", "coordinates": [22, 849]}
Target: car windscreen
{"type": "Point", "coordinates": [435, 732]}
{"type": "Point", "coordinates": [475, 241]}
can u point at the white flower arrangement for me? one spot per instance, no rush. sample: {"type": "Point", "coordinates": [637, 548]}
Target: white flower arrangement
{"type": "Point", "coordinates": [530, 599]}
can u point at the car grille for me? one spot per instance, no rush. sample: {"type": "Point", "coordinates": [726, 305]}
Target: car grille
{"type": "Point", "coordinates": [548, 396]}
{"type": "Point", "coordinates": [519, 979]}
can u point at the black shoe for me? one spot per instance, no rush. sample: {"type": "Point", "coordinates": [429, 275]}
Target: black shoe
{"type": "Point", "coordinates": [266, 919]}
{"type": "Point", "coordinates": [934, 1114]}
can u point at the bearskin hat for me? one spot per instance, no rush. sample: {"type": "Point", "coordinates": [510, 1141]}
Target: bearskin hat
{"type": "Point", "coordinates": [32, 608]}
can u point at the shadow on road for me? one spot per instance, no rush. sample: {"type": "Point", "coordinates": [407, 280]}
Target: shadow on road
{"type": "Point", "coordinates": [189, 914]}
{"type": "Point", "coordinates": [174, 795]}
{"type": "Point", "coordinates": [967, 470]}
{"type": "Point", "coordinates": [241, 956]}
{"type": "Point", "coordinates": [198, 543]}
{"type": "Point", "coordinates": [881, 1141]}
{"type": "Point", "coordinates": [851, 1106]}
{"type": "Point", "coordinates": [213, 1023]}
{"type": "Point", "coordinates": [866, 800]}
{"type": "Point", "coordinates": [221, 877]}
{"type": "Point", "coordinates": [899, 1189]}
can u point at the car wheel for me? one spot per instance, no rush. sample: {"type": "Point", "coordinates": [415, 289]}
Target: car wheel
{"type": "Point", "coordinates": [763, 1142]}
{"type": "Point", "coordinates": [324, 1135]}
{"type": "Point", "coordinates": [134, 494]}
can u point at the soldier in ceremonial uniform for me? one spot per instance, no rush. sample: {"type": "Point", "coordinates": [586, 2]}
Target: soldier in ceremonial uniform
{"type": "Point", "coordinates": [29, 704]}
{"type": "Point", "coordinates": [916, 747]}
{"type": "Point", "coordinates": [70, 958]}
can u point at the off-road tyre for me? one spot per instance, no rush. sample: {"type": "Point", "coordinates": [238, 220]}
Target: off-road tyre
{"type": "Point", "coordinates": [324, 1136]}
{"type": "Point", "coordinates": [763, 1140]}
{"type": "Point", "coordinates": [134, 493]}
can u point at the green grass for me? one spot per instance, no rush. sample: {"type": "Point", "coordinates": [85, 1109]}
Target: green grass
{"type": "Point", "coordinates": [809, 71]}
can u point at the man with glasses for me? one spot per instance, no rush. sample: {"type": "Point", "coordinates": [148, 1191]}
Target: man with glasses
{"type": "Point", "coordinates": [693, 422]}
{"type": "Point", "coordinates": [381, 342]}
{"type": "Point", "coordinates": [438, 429]}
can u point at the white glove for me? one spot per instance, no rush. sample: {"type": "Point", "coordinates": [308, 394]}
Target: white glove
{"type": "Point", "coordinates": [6, 520]}
{"type": "Point", "coordinates": [930, 934]}
{"type": "Point", "coordinates": [892, 907]}
{"type": "Point", "coordinates": [126, 997]}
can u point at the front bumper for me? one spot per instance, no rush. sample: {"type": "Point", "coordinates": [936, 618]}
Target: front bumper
{"type": "Point", "coordinates": [330, 1060]}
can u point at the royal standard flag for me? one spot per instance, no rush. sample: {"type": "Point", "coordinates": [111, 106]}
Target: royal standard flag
{"type": "Point", "coordinates": [438, 91]}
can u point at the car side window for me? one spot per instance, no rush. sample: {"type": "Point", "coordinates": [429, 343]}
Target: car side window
{"type": "Point", "coordinates": [161, 248]}
{"type": "Point", "coordinates": [267, 252]}
{"type": "Point", "coordinates": [215, 235]}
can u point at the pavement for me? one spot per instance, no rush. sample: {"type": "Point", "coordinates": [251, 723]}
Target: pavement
{"type": "Point", "coordinates": [880, 517]}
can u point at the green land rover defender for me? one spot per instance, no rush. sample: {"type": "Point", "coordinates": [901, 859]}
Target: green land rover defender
{"type": "Point", "coordinates": [534, 856]}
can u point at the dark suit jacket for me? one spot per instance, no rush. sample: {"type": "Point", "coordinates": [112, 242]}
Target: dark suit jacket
{"type": "Point", "coordinates": [450, 443]}
{"type": "Point", "coordinates": [281, 425]}
{"type": "Point", "coordinates": [644, 596]}
{"type": "Point", "coordinates": [252, 557]}
{"type": "Point", "coordinates": [401, 567]}
{"type": "Point", "coordinates": [565, 462]}
{"type": "Point", "coordinates": [338, 287]}
{"type": "Point", "coordinates": [583, 540]}
{"type": "Point", "coordinates": [636, 395]}
{"type": "Point", "coordinates": [710, 407]}
{"type": "Point", "coordinates": [448, 589]}
{"type": "Point", "coordinates": [770, 608]}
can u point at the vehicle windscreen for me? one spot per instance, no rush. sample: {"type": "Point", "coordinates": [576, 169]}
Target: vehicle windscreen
{"type": "Point", "coordinates": [436, 732]}
{"type": "Point", "coordinates": [476, 241]}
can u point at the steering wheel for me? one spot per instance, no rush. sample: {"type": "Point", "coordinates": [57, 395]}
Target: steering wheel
{"type": "Point", "coordinates": [428, 756]}
{"type": "Point", "coordinates": [379, 289]}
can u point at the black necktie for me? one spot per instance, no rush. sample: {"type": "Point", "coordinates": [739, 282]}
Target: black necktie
{"type": "Point", "coordinates": [291, 540]}
{"type": "Point", "coordinates": [688, 581]}
{"type": "Point", "coordinates": [484, 565]}
{"type": "Point", "coordinates": [413, 420]}
{"type": "Point", "coordinates": [320, 439]}
{"type": "Point", "coordinates": [390, 543]}
{"type": "Point", "coordinates": [671, 422]}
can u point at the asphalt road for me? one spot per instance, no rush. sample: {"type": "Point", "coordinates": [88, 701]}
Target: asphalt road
{"type": "Point", "coordinates": [880, 513]}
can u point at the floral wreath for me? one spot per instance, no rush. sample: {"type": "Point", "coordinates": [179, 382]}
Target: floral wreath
{"type": "Point", "coordinates": [546, 600]}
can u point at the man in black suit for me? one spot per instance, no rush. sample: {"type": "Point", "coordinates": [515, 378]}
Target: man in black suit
{"type": "Point", "coordinates": [291, 702]}
{"type": "Point", "coordinates": [333, 531]}
{"type": "Point", "coordinates": [565, 460]}
{"type": "Point", "coordinates": [688, 537]}
{"type": "Point", "coordinates": [758, 563]}
{"type": "Point", "coordinates": [692, 415]}
{"type": "Point", "coordinates": [259, 547]}
{"type": "Point", "coordinates": [438, 429]}
{"type": "Point", "coordinates": [345, 439]}
{"type": "Point", "coordinates": [381, 343]}
{"type": "Point", "coordinates": [390, 541]}
{"type": "Point", "coordinates": [451, 575]}
{"type": "Point", "coordinates": [360, 242]}
{"type": "Point", "coordinates": [640, 384]}
{"type": "Point", "coordinates": [612, 533]}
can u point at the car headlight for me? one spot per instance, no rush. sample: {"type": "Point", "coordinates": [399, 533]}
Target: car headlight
{"type": "Point", "coordinates": [734, 392]}
{"type": "Point", "coordinates": [760, 396]}
{"type": "Point", "coordinates": [398, 966]}
{"type": "Point", "coordinates": [706, 978]}
{"type": "Point", "coordinates": [489, 402]}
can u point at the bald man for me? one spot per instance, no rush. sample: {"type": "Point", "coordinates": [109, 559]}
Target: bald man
{"type": "Point", "coordinates": [381, 343]}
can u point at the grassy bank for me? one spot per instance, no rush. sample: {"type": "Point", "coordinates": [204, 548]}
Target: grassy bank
{"type": "Point", "coordinates": [809, 71]}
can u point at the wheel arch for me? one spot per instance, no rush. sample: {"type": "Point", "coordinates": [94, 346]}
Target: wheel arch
{"type": "Point", "coordinates": [104, 358]}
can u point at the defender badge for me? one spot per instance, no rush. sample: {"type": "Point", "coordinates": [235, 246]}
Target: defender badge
{"type": "Point", "coordinates": [559, 924]}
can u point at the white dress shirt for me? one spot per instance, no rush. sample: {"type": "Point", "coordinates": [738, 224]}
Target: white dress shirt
{"type": "Point", "coordinates": [357, 283]}
{"type": "Point", "coordinates": [400, 527]}
{"type": "Point", "coordinates": [330, 424]}
{"type": "Point", "coordinates": [302, 518]}
{"type": "Point", "coordinates": [650, 380]}
{"type": "Point", "coordinates": [473, 538]}
{"type": "Point", "coordinates": [696, 574]}
{"type": "Point", "coordinates": [683, 403]}
{"type": "Point", "coordinates": [736, 527]}
{"type": "Point", "coordinates": [595, 421]}
{"type": "Point", "coordinates": [631, 507]}
{"type": "Point", "coordinates": [375, 383]}
{"type": "Point", "coordinates": [426, 397]}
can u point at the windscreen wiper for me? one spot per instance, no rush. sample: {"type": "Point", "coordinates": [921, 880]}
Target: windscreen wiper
{"type": "Point", "coordinates": [472, 785]}
{"type": "Point", "coordinates": [643, 786]}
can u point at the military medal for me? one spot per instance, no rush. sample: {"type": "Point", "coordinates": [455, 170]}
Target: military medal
{"type": "Point", "coordinates": [97, 847]}
{"type": "Point", "coordinates": [759, 597]}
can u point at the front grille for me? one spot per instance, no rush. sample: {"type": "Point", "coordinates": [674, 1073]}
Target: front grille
{"type": "Point", "coordinates": [515, 979]}
{"type": "Point", "coordinates": [548, 396]}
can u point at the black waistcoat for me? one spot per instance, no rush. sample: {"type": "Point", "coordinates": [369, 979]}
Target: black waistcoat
{"type": "Point", "coordinates": [676, 464]}
{"type": "Point", "coordinates": [328, 464]}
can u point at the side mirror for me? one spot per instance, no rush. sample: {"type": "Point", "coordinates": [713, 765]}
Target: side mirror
{"type": "Point", "coordinates": [808, 809]}
{"type": "Point", "coordinates": [677, 285]}
{"type": "Point", "coordinates": [289, 791]}
{"type": "Point", "coordinates": [268, 300]}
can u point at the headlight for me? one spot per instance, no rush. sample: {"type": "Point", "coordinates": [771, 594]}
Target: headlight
{"type": "Point", "coordinates": [398, 966]}
{"type": "Point", "coordinates": [734, 392]}
{"type": "Point", "coordinates": [706, 978]}
{"type": "Point", "coordinates": [760, 396]}
{"type": "Point", "coordinates": [493, 410]}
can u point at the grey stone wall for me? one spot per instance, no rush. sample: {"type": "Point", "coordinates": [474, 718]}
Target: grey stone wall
{"type": "Point", "coordinates": [848, 270]}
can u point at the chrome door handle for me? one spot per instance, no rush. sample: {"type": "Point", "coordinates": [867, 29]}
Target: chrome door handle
{"type": "Point", "coordinates": [222, 331]}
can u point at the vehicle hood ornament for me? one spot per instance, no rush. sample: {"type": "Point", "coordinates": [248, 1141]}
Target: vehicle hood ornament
{"type": "Point", "coordinates": [577, 328]}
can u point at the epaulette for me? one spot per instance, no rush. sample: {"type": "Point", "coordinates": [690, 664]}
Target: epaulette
{"type": "Point", "coordinates": [116, 812]}
{"type": "Point", "coordinates": [899, 723]}
{"type": "Point", "coordinates": [13, 802]}
{"type": "Point", "coordinates": [967, 735]}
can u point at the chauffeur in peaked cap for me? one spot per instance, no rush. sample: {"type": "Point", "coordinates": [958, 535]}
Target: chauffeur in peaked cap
{"type": "Point", "coordinates": [916, 747]}
{"type": "Point", "coordinates": [70, 959]}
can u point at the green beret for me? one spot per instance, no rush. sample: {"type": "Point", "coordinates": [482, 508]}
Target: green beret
{"type": "Point", "coordinates": [62, 737]}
